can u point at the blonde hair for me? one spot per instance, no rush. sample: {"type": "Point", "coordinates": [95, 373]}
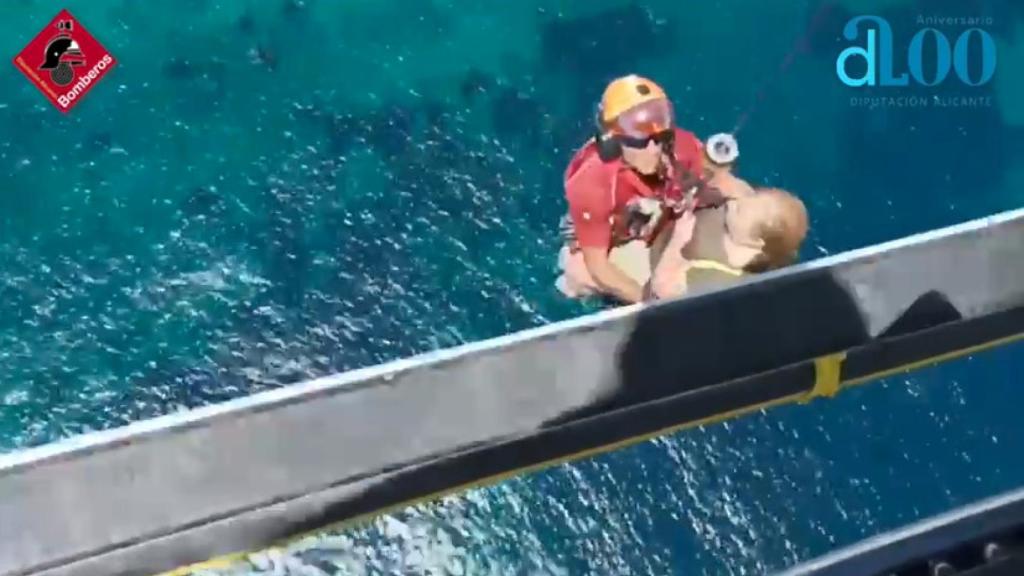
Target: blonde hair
{"type": "Point", "coordinates": [782, 230]}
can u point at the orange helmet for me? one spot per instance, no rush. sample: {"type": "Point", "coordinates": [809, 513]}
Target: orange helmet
{"type": "Point", "coordinates": [635, 106]}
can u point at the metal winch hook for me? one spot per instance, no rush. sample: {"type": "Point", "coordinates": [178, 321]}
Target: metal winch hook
{"type": "Point", "coordinates": [722, 149]}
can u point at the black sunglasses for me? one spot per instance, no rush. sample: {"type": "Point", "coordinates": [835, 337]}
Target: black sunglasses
{"type": "Point", "coordinates": [663, 138]}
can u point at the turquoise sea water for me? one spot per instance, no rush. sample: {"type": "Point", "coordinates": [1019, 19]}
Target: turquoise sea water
{"type": "Point", "coordinates": [262, 192]}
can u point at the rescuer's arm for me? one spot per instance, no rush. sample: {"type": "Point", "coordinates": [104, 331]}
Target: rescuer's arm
{"type": "Point", "coordinates": [609, 278]}
{"type": "Point", "coordinates": [592, 218]}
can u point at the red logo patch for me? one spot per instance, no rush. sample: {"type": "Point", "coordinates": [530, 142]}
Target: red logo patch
{"type": "Point", "coordinates": [64, 61]}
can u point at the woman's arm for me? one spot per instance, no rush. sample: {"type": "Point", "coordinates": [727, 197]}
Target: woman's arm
{"type": "Point", "coordinates": [669, 277]}
{"type": "Point", "coordinates": [730, 185]}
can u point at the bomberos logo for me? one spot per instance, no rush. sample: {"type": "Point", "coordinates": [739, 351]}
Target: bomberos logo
{"type": "Point", "coordinates": [64, 61]}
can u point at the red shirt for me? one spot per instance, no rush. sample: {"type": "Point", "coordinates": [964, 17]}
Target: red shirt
{"type": "Point", "coordinates": [601, 194]}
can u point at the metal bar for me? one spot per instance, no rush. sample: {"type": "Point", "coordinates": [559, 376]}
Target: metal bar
{"type": "Point", "coordinates": [239, 476]}
{"type": "Point", "coordinates": [958, 537]}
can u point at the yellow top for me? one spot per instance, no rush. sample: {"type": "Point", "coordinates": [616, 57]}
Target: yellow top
{"type": "Point", "coordinates": [710, 273]}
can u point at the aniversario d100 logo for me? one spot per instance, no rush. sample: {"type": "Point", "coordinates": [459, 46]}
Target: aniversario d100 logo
{"type": "Point", "coordinates": [64, 61]}
{"type": "Point", "coordinates": [971, 55]}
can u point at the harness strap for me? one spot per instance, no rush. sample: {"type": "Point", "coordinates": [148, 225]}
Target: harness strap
{"type": "Point", "coordinates": [716, 266]}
